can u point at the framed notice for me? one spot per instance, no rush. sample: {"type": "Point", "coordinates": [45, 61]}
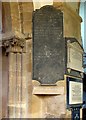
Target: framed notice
{"type": "Point", "coordinates": [75, 57]}
{"type": "Point", "coordinates": [74, 91]}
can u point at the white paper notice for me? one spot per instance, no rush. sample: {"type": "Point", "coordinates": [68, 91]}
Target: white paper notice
{"type": "Point", "coordinates": [75, 92]}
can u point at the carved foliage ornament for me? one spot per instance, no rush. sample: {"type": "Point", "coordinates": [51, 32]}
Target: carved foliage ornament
{"type": "Point", "coordinates": [14, 45]}
{"type": "Point", "coordinates": [14, 42]}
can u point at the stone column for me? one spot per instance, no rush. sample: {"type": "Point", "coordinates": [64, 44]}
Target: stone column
{"type": "Point", "coordinates": [26, 80]}
{"type": "Point", "coordinates": [12, 84]}
{"type": "Point", "coordinates": [18, 85]}
{"type": "Point", "coordinates": [15, 50]}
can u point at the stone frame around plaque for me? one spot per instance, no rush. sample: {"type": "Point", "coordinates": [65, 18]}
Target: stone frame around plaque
{"type": "Point", "coordinates": [74, 55]}
{"type": "Point", "coordinates": [72, 85]}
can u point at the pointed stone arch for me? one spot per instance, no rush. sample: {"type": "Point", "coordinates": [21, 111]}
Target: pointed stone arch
{"type": "Point", "coordinates": [17, 17]}
{"type": "Point", "coordinates": [6, 17]}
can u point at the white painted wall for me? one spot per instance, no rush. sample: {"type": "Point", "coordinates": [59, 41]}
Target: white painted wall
{"type": "Point", "coordinates": [83, 25]}
{"type": "Point", "coordinates": [0, 17]}
{"type": "Point", "coordinates": [40, 3]}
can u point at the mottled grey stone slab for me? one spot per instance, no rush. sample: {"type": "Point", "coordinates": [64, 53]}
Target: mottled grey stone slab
{"type": "Point", "coordinates": [48, 45]}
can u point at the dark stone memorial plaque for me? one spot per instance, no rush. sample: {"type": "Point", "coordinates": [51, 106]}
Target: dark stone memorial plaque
{"type": "Point", "coordinates": [48, 45]}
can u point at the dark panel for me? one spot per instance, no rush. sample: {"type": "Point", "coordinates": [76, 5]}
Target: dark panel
{"type": "Point", "coordinates": [74, 73]}
{"type": "Point", "coordinates": [84, 60]}
{"type": "Point", "coordinates": [48, 45]}
{"type": "Point", "coordinates": [75, 113]}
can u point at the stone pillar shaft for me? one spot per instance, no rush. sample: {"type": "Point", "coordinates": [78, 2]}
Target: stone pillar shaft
{"type": "Point", "coordinates": [24, 87]}
{"type": "Point", "coordinates": [12, 84]}
{"type": "Point", "coordinates": [18, 85]}
{"type": "Point", "coordinates": [14, 50]}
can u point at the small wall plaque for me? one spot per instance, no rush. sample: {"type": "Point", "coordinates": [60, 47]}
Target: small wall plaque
{"type": "Point", "coordinates": [74, 56]}
{"type": "Point", "coordinates": [74, 91]}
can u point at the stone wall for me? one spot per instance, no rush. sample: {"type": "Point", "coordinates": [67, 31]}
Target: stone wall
{"type": "Point", "coordinates": [27, 98]}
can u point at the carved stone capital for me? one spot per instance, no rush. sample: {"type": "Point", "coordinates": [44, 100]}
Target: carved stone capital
{"type": "Point", "coordinates": [14, 43]}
